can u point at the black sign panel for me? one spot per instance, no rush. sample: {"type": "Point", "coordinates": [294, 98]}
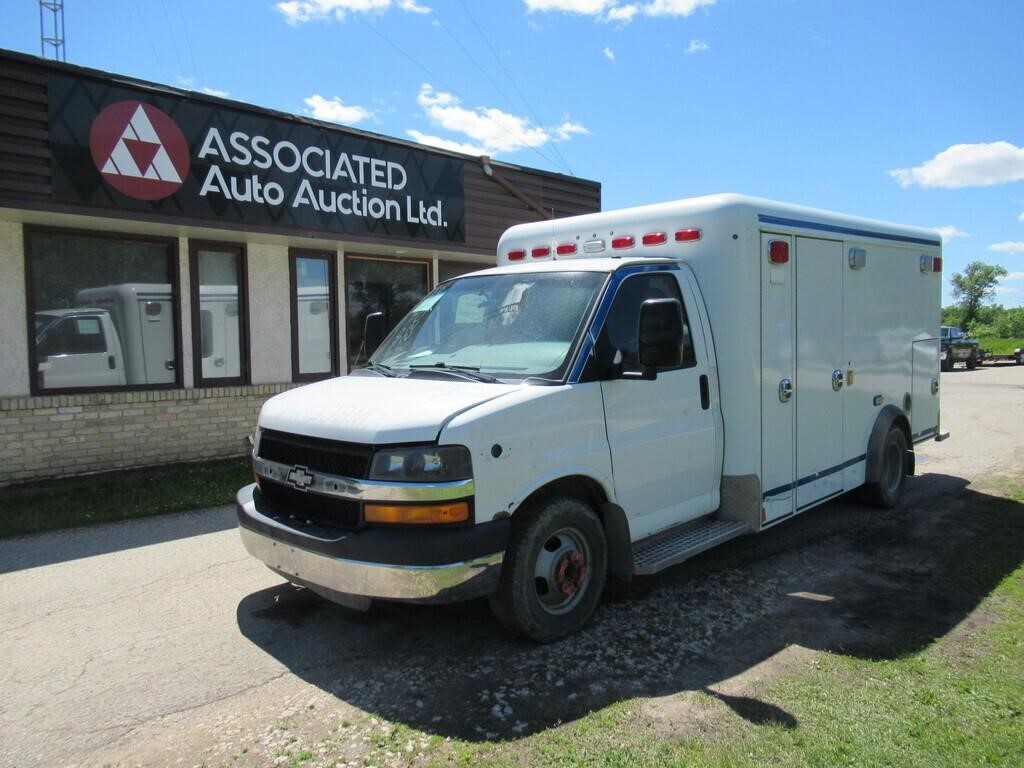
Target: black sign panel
{"type": "Point", "coordinates": [119, 147]}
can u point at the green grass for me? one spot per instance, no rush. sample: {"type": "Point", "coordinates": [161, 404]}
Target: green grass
{"type": "Point", "coordinates": [997, 346]}
{"type": "Point", "coordinates": [958, 702]}
{"type": "Point", "coordinates": [119, 496]}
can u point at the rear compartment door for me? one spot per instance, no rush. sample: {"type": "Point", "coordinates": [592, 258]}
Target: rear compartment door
{"type": "Point", "coordinates": [924, 401]}
{"type": "Point", "coordinates": [778, 373]}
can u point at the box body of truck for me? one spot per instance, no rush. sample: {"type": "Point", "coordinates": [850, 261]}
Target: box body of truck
{"type": "Point", "coordinates": [625, 389]}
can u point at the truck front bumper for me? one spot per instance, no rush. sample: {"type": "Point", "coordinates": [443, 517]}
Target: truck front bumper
{"type": "Point", "coordinates": [383, 564]}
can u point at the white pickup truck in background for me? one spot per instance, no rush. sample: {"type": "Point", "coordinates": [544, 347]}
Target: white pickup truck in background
{"type": "Point", "coordinates": [623, 391]}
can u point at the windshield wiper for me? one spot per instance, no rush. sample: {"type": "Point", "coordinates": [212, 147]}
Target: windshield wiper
{"type": "Point", "coordinates": [383, 370]}
{"type": "Point", "coordinates": [471, 372]}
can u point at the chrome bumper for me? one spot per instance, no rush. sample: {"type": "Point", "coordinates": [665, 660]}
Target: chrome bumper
{"type": "Point", "coordinates": [351, 582]}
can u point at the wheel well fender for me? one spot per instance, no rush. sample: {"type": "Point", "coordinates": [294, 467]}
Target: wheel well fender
{"type": "Point", "coordinates": [888, 417]}
{"type": "Point", "coordinates": [613, 518]}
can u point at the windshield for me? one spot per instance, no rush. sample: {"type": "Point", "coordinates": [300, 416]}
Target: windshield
{"type": "Point", "coordinates": [510, 325]}
{"type": "Point", "coordinates": [951, 332]}
{"type": "Point", "coordinates": [41, 322]}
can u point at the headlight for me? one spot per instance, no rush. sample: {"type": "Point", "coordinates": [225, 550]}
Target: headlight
{"type": "Point", "coordinates": [422, 464]}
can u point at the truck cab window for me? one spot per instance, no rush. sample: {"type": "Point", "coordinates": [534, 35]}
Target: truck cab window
{"type": "Point", "coordinates": [617, 343]}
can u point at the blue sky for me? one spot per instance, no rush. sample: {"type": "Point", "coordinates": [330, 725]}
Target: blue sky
{"type": "Point", "coordinates": [904, 111]}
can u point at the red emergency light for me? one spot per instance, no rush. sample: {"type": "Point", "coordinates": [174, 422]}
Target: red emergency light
{"type": "Point", "coordinates": [688, 235]}
{"type": "Point", "coordinates": [565, 249]}
{"type": "Point", "coordinates": [626, 241]}
{"type": "Point", "coordinates": [516, 255]}
{"type": "Point", "coordinates": [778, 252]}
{"type": "Point", "coordinates": [541, 252]}
{"type": "Point", "coordinates": [655, 238]}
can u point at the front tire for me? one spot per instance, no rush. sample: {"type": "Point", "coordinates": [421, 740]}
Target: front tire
{"type": "Point", "coordinates": [892, 478]}
{"type": "Point", "coordinates": [554, 571]}
{"type": "Point", "coordinates": [972, 361]}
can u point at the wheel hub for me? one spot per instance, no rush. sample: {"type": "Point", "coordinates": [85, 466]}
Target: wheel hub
{"type": "Point", "coordinates": [561, 572]}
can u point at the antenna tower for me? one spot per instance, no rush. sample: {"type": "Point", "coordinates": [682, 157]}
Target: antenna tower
{"type": "Point", "coordinates": [51, 29]}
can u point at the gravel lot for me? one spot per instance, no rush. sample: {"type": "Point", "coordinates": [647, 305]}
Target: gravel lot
{"type": "Point", "coordinates": [161, 642]}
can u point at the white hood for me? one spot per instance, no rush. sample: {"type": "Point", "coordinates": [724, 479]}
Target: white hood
{"type": "Point", "coordinates": [375, 410]}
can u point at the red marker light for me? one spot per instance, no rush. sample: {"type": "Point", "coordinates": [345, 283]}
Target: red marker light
{"type": "Point", "coordinates": [937, 264]}
{"type": "Point", "coordinates": [626, 241]}
{"type": "Point", "coordinates": [687, 235]}
{"type": "Point", "coordinates": [655, 238]}
{"type": "Point", "coordinates": [566, 249]}
{"type": "Point", "coordinates": [540, 253]}
{"type": "Point", "coordinates": [778, 252]}
{"type": "Point", "coordinates": [516, 255]}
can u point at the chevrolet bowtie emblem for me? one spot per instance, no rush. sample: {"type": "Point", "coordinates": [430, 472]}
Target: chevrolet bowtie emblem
{"type": "Point", "coordinates": [300, 477]}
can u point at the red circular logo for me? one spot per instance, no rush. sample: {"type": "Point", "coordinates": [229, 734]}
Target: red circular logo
{"type": "Point", "coordinates": [139, 150]}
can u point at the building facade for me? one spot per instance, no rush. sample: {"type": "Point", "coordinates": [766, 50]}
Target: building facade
{"type": "Point", "coordinates": [168, 260]}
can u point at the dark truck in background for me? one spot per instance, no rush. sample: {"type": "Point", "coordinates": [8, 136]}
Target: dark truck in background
{"type": "Point", "coordinates": [957, 348]}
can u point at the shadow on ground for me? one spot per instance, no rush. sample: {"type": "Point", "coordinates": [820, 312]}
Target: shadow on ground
{"type": "Point", "coordinates": [841, 578]}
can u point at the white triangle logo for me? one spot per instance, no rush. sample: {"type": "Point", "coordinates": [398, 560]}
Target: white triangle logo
{"type": "Point", "coordinates": [124, 162]}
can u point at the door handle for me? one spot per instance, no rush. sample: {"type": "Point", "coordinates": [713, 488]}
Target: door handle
{"type": "Point", "coordinates": [110, 362]}
{"type": "Point", "coordinates": [837, 380]}
{"type": "Point", "coordinates": [785, 390]}
{"type": "Point", "coordinates": [705, 392]}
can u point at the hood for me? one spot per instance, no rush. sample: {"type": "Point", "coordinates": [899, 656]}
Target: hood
{"type": "Point", "coordinates": [376, 410]}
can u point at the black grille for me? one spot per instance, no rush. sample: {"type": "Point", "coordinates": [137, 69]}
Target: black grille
{"type": "Point", "coordinates": [328, 456]}
{"type": "Point", "coordinates": [298, 509]}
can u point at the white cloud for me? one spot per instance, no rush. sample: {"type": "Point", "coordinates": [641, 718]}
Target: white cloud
{"type": "Point", "coordinates": [698, 46]}
{"type": "Point", "coordinates": [966, 165]}
{"type": "Point", "coordinates": [950, 232]}
{"type": "Point", "coordinates": [675, 7]}
{"type": "Point", "coordinates": [1014, 276]}
{"type": "Point", "coordinates": [613, 11]}
{"type": "Point", "coordinates": [1006, 289]}
{"type": "Point", "coordinates": [453, 146]}
{"type": "Point", "coordinates": [299, 11]}
{"type": "Point", "coordinates": [1007, 247]}
{"type": "Point", "coordinates": [609, 53]}
{"type": "Point", "coordinates": [582, 7]}
{"type": "Point", "coordinates": [491, 130]}
{"type": "Point", "coordinates": [623, 14]}
{"type": "Point", "coordinates": [335, 110]}
{"type": "Point", "coordinates": [214, 92]}
{"type": "Point", "coordinates": [1021, 217]}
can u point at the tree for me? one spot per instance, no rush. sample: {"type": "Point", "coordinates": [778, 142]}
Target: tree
{"type": "Point", "coordinates": [976, 284]}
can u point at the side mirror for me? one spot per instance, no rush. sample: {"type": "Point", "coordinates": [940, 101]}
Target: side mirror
{"type": "Point", "coordinates": [373, 332]}
{"type": "Point", "coordinates": [660, 340]}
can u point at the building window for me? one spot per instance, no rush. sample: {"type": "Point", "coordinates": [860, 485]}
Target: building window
{"type": "Point", "coordinates": [380, 285]}
{"type": "Point", "coordinates": [446, 270]}
{"type": "Point", "coordinates": [219, 314]}
{"type": "Point", "coordinates": [314, 308]}
{"type": "Point", "coordinates": [104, 310]}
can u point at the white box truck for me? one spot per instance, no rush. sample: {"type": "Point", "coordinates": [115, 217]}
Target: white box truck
{"type": "Point", "coordinates": [623, 391]}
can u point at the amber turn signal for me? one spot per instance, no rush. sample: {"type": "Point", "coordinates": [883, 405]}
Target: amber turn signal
{"type": "Point", "coordinates": [418, 514]}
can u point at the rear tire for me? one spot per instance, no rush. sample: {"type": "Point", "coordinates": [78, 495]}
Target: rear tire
{"type": "Point", "coordinates": [892, 477]}
{"type": "Point", "coordinates": [554, 571]}
{"type": "Point", "coordinates": [972, 361]}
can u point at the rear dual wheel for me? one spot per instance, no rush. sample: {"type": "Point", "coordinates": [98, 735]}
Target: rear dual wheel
{"type": "Point", "coordinates": [554, 570]}
{"type": "Point", "coordinates": [887, 491]}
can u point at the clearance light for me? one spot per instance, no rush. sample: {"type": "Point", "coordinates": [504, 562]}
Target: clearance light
{"type": "Point", "coordinates": [626, 241]}
{"type": "Point", "coordinates": [655, 238]}
{"type": "Point", "coordinates": [688, 235]}
{"type": "Point", "coordinates": [516, 255]}
{"type": "Point", "coordinates": [937, 264]}
{"type": "Point", "coordinates": [778, 252]}
{"type": "Point", "coordinates": [566, 249]}
{"type": "Point", "coordinates": [417, 514]}
{"type": "Point", "coordinates": [540, 253]}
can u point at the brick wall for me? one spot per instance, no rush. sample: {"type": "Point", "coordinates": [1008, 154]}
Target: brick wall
{"type": "Point", "coordinates": [66, 435]}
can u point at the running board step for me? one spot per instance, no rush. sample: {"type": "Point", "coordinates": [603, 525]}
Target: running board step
{"type": "Point", "coordinates": [663, 551]}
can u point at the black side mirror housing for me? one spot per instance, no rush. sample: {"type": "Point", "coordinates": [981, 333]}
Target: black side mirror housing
{"type": "Point", "coordinates": [660, 338]}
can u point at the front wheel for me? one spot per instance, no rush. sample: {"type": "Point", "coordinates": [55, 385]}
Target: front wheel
{"type": "Point", "coordinates": [972, 361]}
{"type": "Point", "coordinates": [887, 491]}
{"type": "Point", "coordinates": [554, 571]}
